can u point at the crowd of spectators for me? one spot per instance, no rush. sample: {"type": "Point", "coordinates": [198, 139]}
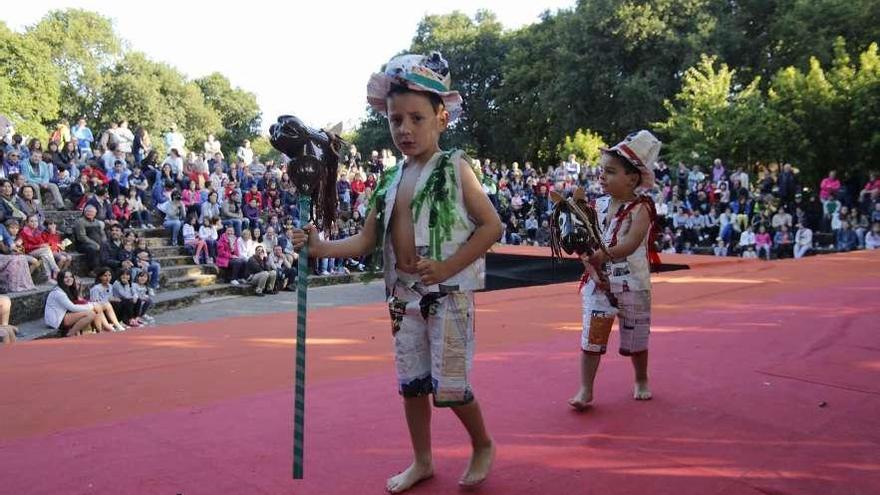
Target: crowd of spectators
{"type": "Point", "coordinates": [237, 212]}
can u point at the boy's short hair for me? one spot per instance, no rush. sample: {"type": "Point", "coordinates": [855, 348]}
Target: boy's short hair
{"type": "Point", "coordinates": [434, 98]}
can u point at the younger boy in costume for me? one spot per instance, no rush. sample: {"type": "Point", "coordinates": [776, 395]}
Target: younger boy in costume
{"type": "Point", "coordinates": [619, 284]}
{"type": "Point", "coordinates": [433, 224]}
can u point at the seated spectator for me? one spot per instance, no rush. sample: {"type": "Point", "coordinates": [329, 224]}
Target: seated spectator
{"type": "Point", "coordinates": [191, 197]}
{"type": "Point", "coordinates": [29, 204]}
{"type": "Point", "coordinates": [144, 261]}
{"type": "Point", "coordinates": [63, 312]}
{"type": "Point", "coordinates": [803, 241]}
{"type": "Point", "coordinates": [36, 246]}
{"type": "Point", "coordinates": [208, 233]}
{"type": "Point", "coordinates": [720, 248]}
{"type": "Point", "coordinates": [194, 244]}
{"type": "Point", "coordinates": [175, 214]}
{"type": "Point", "coordinates": [121, 211]}
{"type": "Point", "coordinates": [747, 239]}
{"type": "Point", "coordinates": [13, 229]}
{"type": "Point", "coordinates": [138, 212]}
{"type": "Point", "coordinates": [229, 256]}
{"type": "Point", "coordinates": [118, 176]}
{"type": "Point", "coordinates": [285, 268]}
{"type": "Point", "coordinates": [103, 206]}
{"type": "Point", "coordinates": [231, 213]}
{"type": "Point", "coordinates": [39, 174]}
{"type": "Point", "coordinates": [77, 192]}
{"type": "Point", "coordinates": [782, 242]}
{"type": "Point", "coordinates": [763, 242]}
{"type": "Point", "coordinates": [211, 208]}
{"type": "Point", "coordinates": [125, 299]}
{"type": "Point", "coordinates": [9, 203]}
{"type": "Point", "coordinates": [58, 246]}
{"type": "Point", "coordinates": [113, 252]}
{"type": "Point", "coordinates": [89, 236]}
{"type": "Point", "coordinates": [101, 295]}
{"type": "Point", "coordinates": [7, 331]}
{"type": "Point", "coordinates": [846, 238]}
{"type": "Point", "coordinates": [141, 288]}
{"type": "Point", "coordinates": [15, 272]}
{"type": "Point", "coordinates": [872, 238]}
{"type": "Point", "coordinates": [96, 176]}
{"type": "Point", "coordinates": [252, 213]}
{"type": "Point", "coordinates": [260, 273]}
{"type": "Point", "coordinates": [542, 237]}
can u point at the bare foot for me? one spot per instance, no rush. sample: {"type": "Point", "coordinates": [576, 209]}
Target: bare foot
{"type": "Point", "coordinates": [581, 400]}
{"type": "Point", "coordinates": [409, 478]}
{"type": "Point", "coordinates": [478, 467]}
{"type": "Point", "coordinates": [641, 392]}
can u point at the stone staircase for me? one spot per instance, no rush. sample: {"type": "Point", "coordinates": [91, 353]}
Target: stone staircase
{"type": "Point", "coordinates": [181, 283]}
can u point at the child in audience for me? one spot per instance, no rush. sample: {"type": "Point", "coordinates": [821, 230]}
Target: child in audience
{"type": "Point", "coordinates": [194, 244]}
{"type": "Point", "coordinates": [141, 289]}
{"type": "Point", "coordinates": [125, 299]}
{"type": "Point", "coordinates": [101, 296]}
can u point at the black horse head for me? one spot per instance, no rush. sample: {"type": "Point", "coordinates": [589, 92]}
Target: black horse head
{"type": "Point", "coordinates": [314, 160]}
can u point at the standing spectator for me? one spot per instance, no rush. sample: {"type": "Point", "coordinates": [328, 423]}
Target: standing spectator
{"type": "Point", "coordinates": [829, 187]}
{"type": "Point", "coordinates": [39, 174]}
{"type": "Point", "coordinates": [89, 236]}
{"type": "Point", "coordinates": [787, 183]}
{"type": "Point", "coordinates": [174, 140]}
{"type": "Point", "coordinates": [141, 145]}
{"type": "Point", "coordinates": [244, 152]}
{"type": "Point", "coordinates": [124, 137]}
{"type": "Point", "coordinates": [803, 241]}
{"type": "Point", "coordinates": [108, 138]}
{"type": "Point", "coordinates": [212, 147]}
{"type": "Point", "coordinates": [846, 239]}
{"type": "Point", "coordinates": [260, 274]}
{"type": "Point", "coordinates": [84, 138]}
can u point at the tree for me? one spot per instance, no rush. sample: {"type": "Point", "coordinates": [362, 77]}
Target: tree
{"type": "Point", "coordinates": [239, 113]}
{"type": "Point", "coordinates": [584, 145]}
{"type": "Point", "coordinates": [29, 83]}
{"type": "Point", "coordinates": [82, 45]}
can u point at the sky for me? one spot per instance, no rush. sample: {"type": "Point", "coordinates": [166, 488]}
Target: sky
{"type": "Point", "coordinates": [310, 59]}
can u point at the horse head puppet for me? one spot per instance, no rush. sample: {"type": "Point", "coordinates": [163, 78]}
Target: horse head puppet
{"type": "Point", "coordinates": [574, 226]}
{"type": "Point", "coordinates": [314, 161]}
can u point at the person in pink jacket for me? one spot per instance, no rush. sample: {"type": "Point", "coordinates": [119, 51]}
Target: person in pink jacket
{"type": "Point", "coordinates": [229, 256]}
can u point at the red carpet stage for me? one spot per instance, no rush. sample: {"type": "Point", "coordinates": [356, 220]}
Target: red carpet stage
{"type": "Point", "coordinates": [766, 378]}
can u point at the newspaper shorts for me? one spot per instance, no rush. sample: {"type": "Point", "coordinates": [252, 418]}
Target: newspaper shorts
{"type": "Point", "coordinates": [633, 313]}
{"type": "Point", "coordinates": [433, 335]}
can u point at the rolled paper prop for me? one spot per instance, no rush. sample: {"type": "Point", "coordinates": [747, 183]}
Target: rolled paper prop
{"type": "Point", "coordinates": [313, 164]}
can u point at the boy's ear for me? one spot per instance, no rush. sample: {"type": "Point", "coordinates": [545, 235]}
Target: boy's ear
{"type": "Point", "coordinates": [555, 197]}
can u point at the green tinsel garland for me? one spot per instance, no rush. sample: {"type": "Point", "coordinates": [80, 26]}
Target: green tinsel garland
{"type": "Point", "coordinates": [437, 195]}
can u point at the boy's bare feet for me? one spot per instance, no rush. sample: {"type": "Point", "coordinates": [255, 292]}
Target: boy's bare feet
{"type": "Point", "coordinates": [641, 391]}
{"type": "Point", "coordinates": [409, 478]}
{"type": "Point", "coordinates": [581, 400]}
{"type": "Point", "coordinates": [478, 467]}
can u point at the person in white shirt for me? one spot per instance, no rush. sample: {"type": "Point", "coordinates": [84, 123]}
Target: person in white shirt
{"type": "Point", "coordinates": [245, 153]}
{"type": "Point", "coordinates": [124, 137]}
{"type": "Point", "coordinates": [803, 241]}
{"type": "Point", "coordinates": [747, 240]}
{"type": "Point", "coordinates": [212, 147]}
{"type": "Point", "coordinates": [174, 140]}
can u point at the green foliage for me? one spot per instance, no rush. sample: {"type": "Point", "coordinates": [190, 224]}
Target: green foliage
{"type": "Point", "coordinates": [373, 134]}
{"type": "Point", "coordinates": [239, 113]}
{"type": "Point", "coordinates": [263, 148]}
{"type": "Point", "coordinates": [82, 45]}
{"type": "Point", "coordinates": [584, 145]}
{"type": "Point", "coordinates": [29, 87]}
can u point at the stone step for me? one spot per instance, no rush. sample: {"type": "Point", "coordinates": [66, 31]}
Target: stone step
{"type": "Point", "coordinates": [152, 233]}
{"type": "Point", "coordinates": [157, 242]}
{"type": "Point", "coordinates": [176, 260]}
{"type": "Point", "coordinates": [168, 273]}
{"type": "Point", "coordinates": [189, 282]}
{"type": "Point", "coordinates": [164, 251]}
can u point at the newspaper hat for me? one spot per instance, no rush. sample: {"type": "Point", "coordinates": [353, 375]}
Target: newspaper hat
{"type": "Point", "coordinates": [429, 73]}
{"type": "Point", "coordinates": [641, 149]}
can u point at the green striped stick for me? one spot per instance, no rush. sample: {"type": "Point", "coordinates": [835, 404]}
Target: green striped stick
{"type": "Point", "coordinates": [299, 391]}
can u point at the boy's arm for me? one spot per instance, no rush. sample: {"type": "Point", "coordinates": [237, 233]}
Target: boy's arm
{"type": "Point", "coordinates": [627, 245]}
{"type": "Point", "coordinates": [350, 247]}
{"type": "Point", "coordinates": [488, 231]}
